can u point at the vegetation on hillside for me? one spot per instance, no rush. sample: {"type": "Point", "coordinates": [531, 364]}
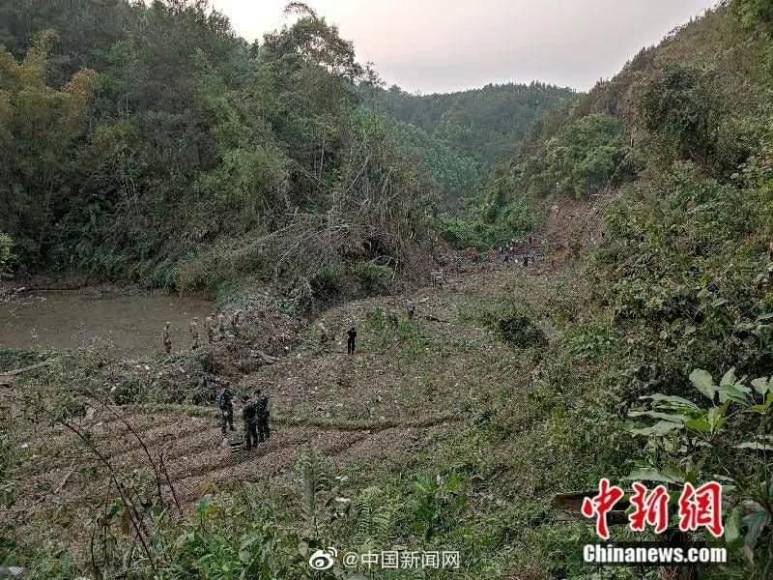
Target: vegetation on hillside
{"type": "Point", "coordinates": [462, 137]}
{"type": "Point", "coordinates": [681, 280]}
{"type": "Point", "coordinates": [649, 359]}
{"type": "Point", "coordinates": [484, 125]}
{"type": "Point", "coordinates": [153, 145]}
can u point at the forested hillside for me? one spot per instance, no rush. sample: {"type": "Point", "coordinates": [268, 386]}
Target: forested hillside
{"type": "Point", "coordinates": [637, 345]}
{"type": "Point", "coordinates": [149, 143]}
{"type": "Point", "coordinates": [462, 136]}
{"type": "Point", "coordinates": [485, 124]}
{"type": "Point", "coordinates": [663, 374]}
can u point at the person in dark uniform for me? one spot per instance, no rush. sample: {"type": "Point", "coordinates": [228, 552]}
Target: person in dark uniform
{"type": "Point", "coordinates": [249, 415]}
{"type": "Point", "coordinates": [209, 327]}
{"type": "Point", "coordinates": [226, 405]}
{"type": "Point", "coordinates": [167, 338]}
{"type": "Point", "coordinates": [262, 414]}
{"type": "Point", "coordinates": [351, 340]}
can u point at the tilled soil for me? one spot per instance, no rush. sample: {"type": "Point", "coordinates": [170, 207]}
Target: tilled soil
{"type": "Point", "coordinates": [377, 406]}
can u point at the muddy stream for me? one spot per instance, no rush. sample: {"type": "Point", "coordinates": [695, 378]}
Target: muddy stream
{"type": "Point", "coordinates": [130, 323]}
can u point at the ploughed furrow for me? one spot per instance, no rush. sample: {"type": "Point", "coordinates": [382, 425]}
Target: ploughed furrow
{"type": "Point", "coordinates": [172, 441]}
{"type": "Point", "coordinates": [395, 442]}
{"type": "Point", "coordinates": [67, 450]}
{"type": "Point", "coordinates": [223, 457]}
{"type": "Point", "coordinates": [59, 442]}
{"type": "Point", "coordinates": [156, 436]}
{"type": "Point", "coordinates": [199, 460]}
{"type": "Point", "coordinates": [197, 443]}
{"type": "Point", "coordinates": [275, 460]}
{"type": "Point", "coordinates": [268, 460]}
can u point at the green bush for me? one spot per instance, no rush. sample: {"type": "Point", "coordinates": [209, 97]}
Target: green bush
{"type": "Point", "coordinates": [519, 330]}
{"type": "Point", "coordinates": [588, 155]}
{"type": "Point", "coordinates": [755, 12]}
{"type": "Point", "coordinates": [6, 254]}
{"type": "Point", "coordinates": [682, 107]}
{"type": "Point", "coordinates": [374, 279]}
{"type": "Point", "coordinates": [494, 222]}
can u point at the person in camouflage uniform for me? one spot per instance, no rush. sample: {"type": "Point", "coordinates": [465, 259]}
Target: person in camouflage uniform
{"type": "Point", "coordinates": [250, 417]}
{"type": "Point", "coordinates": [221, 326]}
{"type": "Point", "coordinates": [226, 406]}
{"type": "Point", "coordinates": [411, 308]}
{"type": "Point", "coordinates": [209, 328]}
{"type": "Point", "coordinates": [262, 413]}
{"type": "Point", "coordinates": [236, 320]}
{"type": "Point", "coordinates": [194, 333]}
{"type": "Point", "coordinates": [167, 338]}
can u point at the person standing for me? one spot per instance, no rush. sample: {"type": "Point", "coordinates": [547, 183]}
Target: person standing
{"type": "Point", "coordinates": [262, 414]}
{"type": "Point", "coordinates": [249, 415]}
{"type": "Point", "coordinates": [209, 328]}
{"type": "Point", "coordinates": [351, 339]}
{"type": "Point", "coordinates": [236, 319]}
{"type": "Point", "coordinates": [194, 333]}
{"type": "Point", "coordinates": [221, 323]}
{"type": "Point", "coordinates": [226, 405]}
{"type": "Point", "coordinates": [167, 338]}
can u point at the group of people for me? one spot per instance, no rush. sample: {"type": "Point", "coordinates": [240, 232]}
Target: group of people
{"type": "Point", "coordinates": [518, 252]}
{"type": "Point", "coordinates": [256, 415]}
{"type": "Point", "coordinates": [216, 328]}
{"type": "Point", "coordinates": [255, 411]}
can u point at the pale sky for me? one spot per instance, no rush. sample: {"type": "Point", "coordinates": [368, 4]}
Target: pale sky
{"type": "Point", "coordinates": [445, 45]}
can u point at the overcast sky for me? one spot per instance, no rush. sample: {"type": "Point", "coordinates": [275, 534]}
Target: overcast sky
{"type": "Point", "coordinates": [444, 45]}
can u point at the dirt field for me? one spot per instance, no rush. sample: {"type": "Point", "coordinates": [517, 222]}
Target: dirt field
{"type": "Point", "coordinates": [403, 390]}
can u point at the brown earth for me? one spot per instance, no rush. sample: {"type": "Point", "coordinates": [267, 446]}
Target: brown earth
{"type": "Point", "coordinates": [393, 399]}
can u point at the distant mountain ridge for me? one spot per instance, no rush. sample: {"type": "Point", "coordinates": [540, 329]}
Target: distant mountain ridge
{"type": "Point", "coordinates": [485, 124]}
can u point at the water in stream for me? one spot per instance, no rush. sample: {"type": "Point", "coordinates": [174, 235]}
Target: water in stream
{"type": "Point", "coordinates": [67, 320]}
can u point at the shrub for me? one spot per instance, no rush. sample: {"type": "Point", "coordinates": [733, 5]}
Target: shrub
{"type": "Point", "coordinates": [587, 155]}
{"type": "Point", "coordinates": [6, 254]}
{"type": "Point", "coordinates": [683, 108]}
{"type": "Point", "coordinates": [755, 12]}
{"type": "Point", "coordinates": [518, 330]}
{"type": "Point", "coordinates": [374, 279]}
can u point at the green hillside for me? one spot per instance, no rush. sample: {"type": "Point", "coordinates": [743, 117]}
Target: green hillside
{"type": "Point", "coordinates": [485, 124]}
{"type": "Point", "coordinates": [675, 155]}
{"type": "Point", "coordinates": [462, 136]}
{"type": "Point", "coordinates": [148, 143]}
{"type": "Point", "coordinates": [484, 397]}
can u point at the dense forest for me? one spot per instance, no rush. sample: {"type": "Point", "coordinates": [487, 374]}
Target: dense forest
{"type": "Point", "coordinates": [481, 127]}
{"type": "Point", "coordinates": [664, 374]}
{"type": "Point", "coordinates": [148, 143]}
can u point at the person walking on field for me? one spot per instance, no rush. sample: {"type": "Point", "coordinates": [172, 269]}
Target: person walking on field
{"type": "Point", "coordinates": [352, 339]}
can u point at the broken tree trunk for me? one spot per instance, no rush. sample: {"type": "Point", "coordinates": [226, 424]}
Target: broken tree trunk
{"type": "Point", "coordinates": [7, 378]}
